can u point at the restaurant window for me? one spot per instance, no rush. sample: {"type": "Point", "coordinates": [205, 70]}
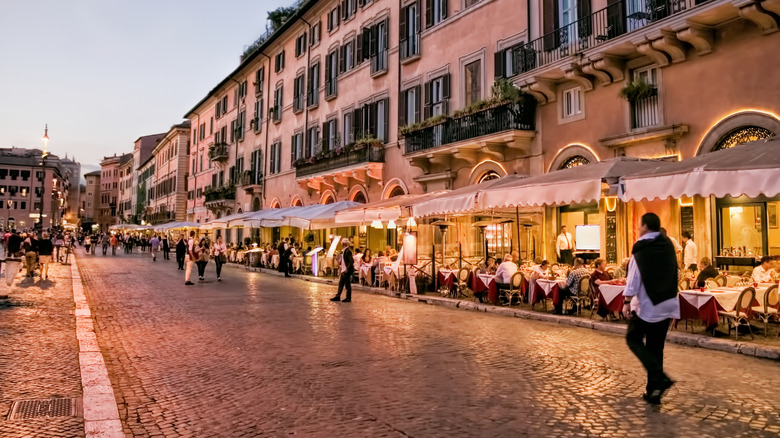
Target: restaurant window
{"type": "Point", "coordinates": [472, 79]}
{"type": "Point", "coordinates": [742, 230]}
{"type": "Point", "coordinates": [574, 161]}
{"type": "Point", "coordinates": [743, 135]}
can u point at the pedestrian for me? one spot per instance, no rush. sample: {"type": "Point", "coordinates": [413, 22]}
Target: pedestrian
{"type": "Point", "coordinates": [59, 240]}
{"type": "Point", "coordinates": [650, 298]}
{"type": "Point", "coordinates": [220, 256]}
{"type": "Point", "coordinates": [113, 241]}
{"type": "Point", "coordinates": [69, 241]}
{"type": "Point", "coordinates": [14, 245]}
{"type": "Point", "coordinates": [191, 258]}
{"type": "Point", "coordinates": [203, 258]}
{"type": "Point", "coordinates": [104, 241]}
{"type": "Point", "coordinates": [30, 247]}
{"type": "Point", "coordinates": [346, 269]}
{"type": "Point", "coordinates": [282, 248]}
{"type": "Point", "coordinates": [87, 243]}
{"type": "Point", "coordinates": [689, 252]}
{"type": "Point", "coordinates": [565, 247]}
{"type": "Point", "coordinates": [166, 247]}
{"type": "Point", "coordinates": [181, 252]}
{"type": "Point", "coordinates": [154, 245]}
{"type": "Point", "coordinates": [45, 251]}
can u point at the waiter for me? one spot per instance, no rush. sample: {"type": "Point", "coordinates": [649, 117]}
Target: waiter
{"type": "Point", "coordinates": [565, 247]}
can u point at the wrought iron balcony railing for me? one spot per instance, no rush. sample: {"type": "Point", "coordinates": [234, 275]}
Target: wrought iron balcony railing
{"type": "Point", "coordinates": [218, 152]}
{"type": "Point", "coordinates": [514, 115]}
{"type": "Point", "coordinates": [227, 192]}
{"type": "Point", "coordinates": [249, 178]}
{"type": "Point", "coordinates": [368, 154]}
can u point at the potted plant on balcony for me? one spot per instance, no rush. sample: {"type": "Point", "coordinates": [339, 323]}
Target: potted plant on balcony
{"type": "Point", "coordinates": [638, 90]}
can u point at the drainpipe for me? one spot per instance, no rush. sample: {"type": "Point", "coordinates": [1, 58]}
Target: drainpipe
{"type": "Point", "coordinates": [194, 171]}
{"type": "Point", "coordinates": [267, 128]}
{"type": "Point", "coordinates": [307, 76]}
{"type": "Point", "coordinates": [238, 111]}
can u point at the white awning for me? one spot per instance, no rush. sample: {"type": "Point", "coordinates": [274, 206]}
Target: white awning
{"type": "Point", "coordinates": [462, 200]}
{"type": "Point", "coordinates": [225, 220]}
{"type": "Point", "coordinates": [316, 216]}
{"type": "Point", "coordinates": [576, 185]}
{"type": "Point", "coordinates": [266, 218]}
{"type": "Point", "coordinates": [751, 170]}
{"type": "Point", "coordinates": [382, 210]}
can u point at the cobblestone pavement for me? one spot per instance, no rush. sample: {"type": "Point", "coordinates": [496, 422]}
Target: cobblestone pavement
{"type": "Point", "coordinates": [259, 355]}
{"type": "Point", "coordinates": [39, 352]}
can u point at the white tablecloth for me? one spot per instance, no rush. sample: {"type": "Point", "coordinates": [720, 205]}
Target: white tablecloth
{"type": "Point", "coordinates": [611, 291]}
{"type": "Point", "coordinates": [547, 285]}
{"type": "Point", "coordinates": [726, 298]}
{"type": "Point", "coordinates": [446, 273]}
{"type": "Point", "coordinates": [486, 279]}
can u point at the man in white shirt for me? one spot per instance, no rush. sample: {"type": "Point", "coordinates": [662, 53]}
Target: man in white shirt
{"type": "Point", "coordinates": [763, 272]}
{"type": "Point", "coordinates": [651, 300]}
{"type": "Point", "coordinates": [505, 271]}
{"type": "Point", "coordinates": [564, 246]}
{"type": "Point", "coordinates": [689, 252]}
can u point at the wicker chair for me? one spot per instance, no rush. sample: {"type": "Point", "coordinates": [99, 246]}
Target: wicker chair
{"type": "Point", "coordinates": [584, 296]}
{"type": "Point", "coordinates": [711, 284]}
{"type": "Point", "coordinates": [463, 281]}
{"type": "Point", "coordinates": [721, 280]}
{"type": "Point", "coordinates": [770, 307]}
{"type": "Point", "coordinates": [515, 288]}
{"type": "Point", "coordinates": [740, 316]}
{"type": "Point", "coordinates": [684, 284]}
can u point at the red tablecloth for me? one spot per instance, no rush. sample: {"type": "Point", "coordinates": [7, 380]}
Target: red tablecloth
{"type": "Point", "coordinates": [615, 306]}
{"type": "Point", "coordinates": [478, 286]}
{"type": "Point", "coordinates": [447, 280]}
{"type": "Point", "coordinates": [540, 294]}
{"type": "Point", "coordinates": [707, 313]}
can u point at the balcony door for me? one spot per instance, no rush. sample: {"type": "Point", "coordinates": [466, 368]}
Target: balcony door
{"type": "Point", "coordinates": [567, 21]}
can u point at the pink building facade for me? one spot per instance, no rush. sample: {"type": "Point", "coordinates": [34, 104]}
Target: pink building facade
{"type": "Point", "coordinates": [168, 199]}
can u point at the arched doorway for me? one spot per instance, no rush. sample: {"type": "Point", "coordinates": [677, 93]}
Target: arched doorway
{"type": "Point", "coordinates": [739, 128]}
{"type": "Point", "coordinates": [394, 187]}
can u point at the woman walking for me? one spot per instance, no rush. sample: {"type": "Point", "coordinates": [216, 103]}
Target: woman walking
{"type": "Point", "coordinates": [45, 251]}
{"type": "Point", "coordinates": [87, 243]}
{"type": "Point", "coordinates": [166, 247]}
{"type": "Point", "coordinates": [202, 254]}
{"type": "Point", "coordinates": [220, 256]}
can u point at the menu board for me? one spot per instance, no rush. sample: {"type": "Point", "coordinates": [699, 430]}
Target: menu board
{"type": "Point", "coordinates": [686, 219]}
{"type": "Point", "coordinates": [611, 237]}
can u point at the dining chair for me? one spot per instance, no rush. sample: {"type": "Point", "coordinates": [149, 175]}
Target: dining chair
{"type": "Point", "coordinates": [721, 280]}
{"type": "Point", "coordinates": [769, 308]}
{"type": "Point", "coordinates": [741, 314]}
{"type": "Point", "coordinates": [515, 288]}
{"type": "Point", "coordinates": [684, 284]}
{"type": "Point", "coordinates": [463, 281]}
{"type": "Point", "coordinates": [711, 284]}
{"type": "Point", "coordinates": [584, 295]}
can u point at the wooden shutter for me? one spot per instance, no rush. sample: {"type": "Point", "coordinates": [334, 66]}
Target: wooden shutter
{"type": "Point", "coordinates": [428, 13]}
{"type": "Point", "coordinates": [357, 124]}
{"type": "Point", "coordinates": [418, 103]}
{"type": "Point", "coordinates": [402, 100]}
{"type": "Point", "coordinates": [402, 27]}
{"type": "Point", "coordinates": [342, 59]}
{"type": "Point", "coordinates": [326, 136]}
{"type": "Point", "coordinates": [550, 24]}
{"type": "Point", "coordinates": [444, 8]}
{"type": "Point", "coordinates": [427, 101]}
{"type": "Point", "coordinates": [498, 64]}
{"type": "Point", "coordinates": [373, 40]}
{"type": "Point", "coordinates": [616, 24]}
{"type": "Point", "coordinates": [359, 47]}
{"type": "Point", "coordinates": [445, 86]}
{"type": "Point", "coordinates": [585, 24]}
{"type": "Point", "coordinates": [328, 60]}
{"type": "Point", "coordinates": [386, 121]}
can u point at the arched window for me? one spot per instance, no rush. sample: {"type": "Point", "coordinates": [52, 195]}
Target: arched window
{"type": "Point", "coordinates": [741, 136]}
{"type": "Point", "coordinates": [488, 176]}
{"type": "Point", "coordinates": [359, 197]}
{"type": "Point", "coordinates": [397, 191]}
{"type": "Point", "coordinates": [297, 202]}
{"type": "Point", "coordinates": [329, 200]}
{"type": "Point", "coordinates": [574, 161]}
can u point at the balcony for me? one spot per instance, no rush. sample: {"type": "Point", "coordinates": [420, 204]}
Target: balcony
{"type": "Point", "coordinates": [596, 47]}
{"type": "Point", "coordinates": [219, 152]}
{"type": "Point", "coordinates": [220, 198]}
{"type": "Point", "coordinates": [357, 162]}
{"type": "Point", "coordinates": [250, 181]}
{"type": "Point", "coordinates": [644, 112]}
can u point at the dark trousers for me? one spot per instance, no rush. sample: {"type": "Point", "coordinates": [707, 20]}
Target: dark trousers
{"type": "Point", "coordinates": [180, 260]}
{"type": "Point", "coordinates": [167, 253]}
{"type": "Point", "coordinates": [646, 340]}
{"type": "Point", "coordinates": [567, 257]}
{"type": "Point", "coordinates": [345, 281]}
{"type": "Point", "coordinates": [219, 266]}
{"type": "Point", "coordinates": [201, 268]}
{"type": "Point", "coordinates": [563, 293]}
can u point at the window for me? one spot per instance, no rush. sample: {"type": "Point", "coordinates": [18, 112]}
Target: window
{"type": "Point", "coordinates": [257, 118]}
{"type": "Point", "coordinates": [316, 34]}
{"type": "Point", "coordinates": [348, 9]}
{"type": "Point", "coordinates": [278, 93]}
{"type": "Point", "coordinates": [233, 130]}
{"type": "Point", "coordinates": [371, 120]}
{"type": "Point", "coordinates": [331, 73]}
{"type": "Point", "coordinates": [469, 3]}
{"type": "Point", "coordinates": [242, 90]}
{"type": "Point", "coordinates": [259, 81]}
{"type": "Point", "coordinates": [410, 30]}
{"type": "Point", "coordinates": [435, 12]}
{"type": "Point", "coordinates": [330, 134]}
{"type": "Point", "coordinates": [409, 110]}
{"type": "Point", "coordinates": [275, 163]}
{"type": "Point", "coordinates": [298, 93]}
{"type": "Point", "coordinates": [211, 126]}
{"type": "Point", "coordinates": [240, 124]}
{"type": "Point", "coordinates": [296, 148]}
{"type": "Point", "coordinates": [349, 128]}
{"type": "Point", "coordinates": [472, 79]}
{"type": "Point", "coordinates": [374, 44]}
{"type": "Point", "coordinates": [313, 95]}
{"type": "Point", "coordinates": [645, 112]}
{"type": "Point", "coordinates": [279, 62]}
{"type": "Point", "coordinates": [202, 131]}
{"type": "Point", "coordinates": [437, 94]}
{"type": "Point", "coordinates": [312, 138]}
{"type": "Point", "coordinates": [300, 45]}
{"type": "Point", "coordinates": [572, 102]}
{"type": "Point", "coordinates": [347, 58]}
{"type": "Point", "coordinates": [334, 18]}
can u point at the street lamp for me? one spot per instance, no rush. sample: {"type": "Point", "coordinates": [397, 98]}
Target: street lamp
{"type": "Point", "coordinates": [44, 154]}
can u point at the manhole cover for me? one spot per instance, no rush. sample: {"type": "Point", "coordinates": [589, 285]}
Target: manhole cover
{"type": "Point", "coordinates": [53, 407]}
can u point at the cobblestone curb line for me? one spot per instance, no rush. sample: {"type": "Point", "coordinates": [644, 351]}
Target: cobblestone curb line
{"type": "Point", "coordinates": [692, 340]}
{"type": "Point", "coordinates": [101, 416]}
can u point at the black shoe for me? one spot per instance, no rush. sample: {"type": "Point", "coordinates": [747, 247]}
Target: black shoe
{"type": "Point", "coordinates": [188, 283]}
{"type": "Point", "coordinates": [336, 299]}
{"type": "Point", "coordinates": [219, 279]}
{"type": "Point", "coordinates": [654, 397]}
{"type": "Point", "coordinates": [346, 300]}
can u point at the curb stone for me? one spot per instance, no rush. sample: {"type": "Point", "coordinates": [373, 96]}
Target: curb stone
{"type": "Point", "coordinates": [680, 338]}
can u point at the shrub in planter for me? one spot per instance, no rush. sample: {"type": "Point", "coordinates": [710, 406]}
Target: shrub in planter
{"type": "Point", "coordinates": [637, 90]}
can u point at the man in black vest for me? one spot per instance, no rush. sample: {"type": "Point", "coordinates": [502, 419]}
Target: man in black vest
{"type": "Point", "coordinates": [346, 269]}
{"type": "Point", "coordinates": [651, 300]}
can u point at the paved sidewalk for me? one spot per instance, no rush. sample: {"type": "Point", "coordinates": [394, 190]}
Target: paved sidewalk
{"type": "Point", "coordinates": [39, 357]}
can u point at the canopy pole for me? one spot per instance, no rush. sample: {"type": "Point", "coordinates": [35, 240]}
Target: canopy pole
{"type": "Point", "coordinates": [517, 224]}
{"type": "Point", "coordinates": [433, 268]}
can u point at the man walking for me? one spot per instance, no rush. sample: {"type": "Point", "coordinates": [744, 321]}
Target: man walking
{"type": "Point", "coordinates": [181, 252]}
{"type": "Point", "coordinates": [565, 247]}
{"type": "Point", "coordinates": [154, 243]}
{"type": "Point", "coordinates": [651, 300]}
{"type": "Point", "coordinates": [346, 269]}
{"type": "Point", "coordinates": [191, 259]}
{"type": "Point", "coordinates": [166, 247]}
{"type": "Point", "coordinates": [689, 252]}
{"type": "Point", "coordinates": [114, 242]}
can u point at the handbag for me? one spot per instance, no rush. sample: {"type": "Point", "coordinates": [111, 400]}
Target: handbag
{"type": "Point", "coordinates": [222, 257]}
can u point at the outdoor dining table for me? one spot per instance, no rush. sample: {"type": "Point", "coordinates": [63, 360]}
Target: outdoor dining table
{"type": "Point", "coordinates": [704, 305]}
{"type": "Point", "coordinates": [481, 283]}
{"type": "Point", "coordinates": [542, 289]}
{"type": "Point", "coordinates": [610, 298]}
{"type": "Point", "coordinates": [446, 277]}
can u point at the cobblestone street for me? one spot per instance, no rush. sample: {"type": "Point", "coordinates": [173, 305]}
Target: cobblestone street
{"type": "Point", "coordinates": [261, 355]}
